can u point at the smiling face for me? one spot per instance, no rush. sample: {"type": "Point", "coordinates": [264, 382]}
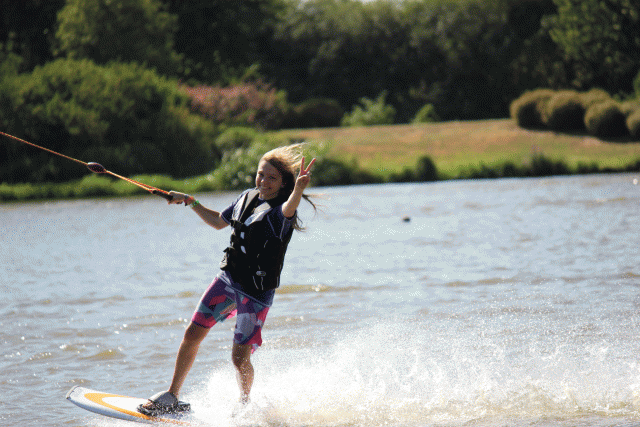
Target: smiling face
{"type": "Point", "coordinates": [268, 180]}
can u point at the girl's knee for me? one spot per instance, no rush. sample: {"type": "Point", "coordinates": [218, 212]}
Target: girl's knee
{"type": "Point", "coordinates": [195, 333]}
{"type": "Point", "coordinates": [241, 355]}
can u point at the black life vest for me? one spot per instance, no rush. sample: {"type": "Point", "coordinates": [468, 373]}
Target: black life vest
{"type": "Point", "coordinates": [253, 259]}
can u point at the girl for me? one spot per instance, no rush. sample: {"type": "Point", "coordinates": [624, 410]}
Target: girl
{"type": "Point", "coordinates": [263, 220]}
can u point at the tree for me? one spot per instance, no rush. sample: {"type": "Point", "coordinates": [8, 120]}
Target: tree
{"type": "Point", "coordinates": [349, 49]}
{"type": "Point", "coordinates": [472, 78]}
{"type": "Point", "coordinates": [119, 30]}
{"type": "Point", "coordinates": [220, 39]}
{"type": "Point", "coordinates": [603, 38]}
{"type": "Point", "coordinates": [26, 29]}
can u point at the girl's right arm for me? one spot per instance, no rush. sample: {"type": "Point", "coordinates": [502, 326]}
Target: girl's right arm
{"type": "Point", "coordinates": [209, 216]}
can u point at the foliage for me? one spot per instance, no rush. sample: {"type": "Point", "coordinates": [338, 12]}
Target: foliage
{"type": "Point", "coordinates": [544, 166]}
{"type": "Point", "coordinates": [370, 112]}
{"type": "Point", "coordinates": [331, 172]}
{"type": "Point", "coordinates": [476, 45]}
{"type": "Point", "coordinates": [26, 30]}
{"type": "Point", "coordinates": [564, 111]}
{"type": "Point", "coordinates": [633, 124]}
{"type": "Point", "coordinates": [606, 120]}
{"type": "Point", "coordinates": [630, 106]}
{"type": "Point", "coordinates": [119, 30]}
{"type": "Point", "coordinates": [527, 110]}
{"type": "Point", "coordinates": [594, 96]}
{"type": "Point", "coordinates": [537, 62]}
{"type": "Point", "coordinates": [602, 37]}
{"type": "Point", "coordinates": [220, 39]}
{"type": "Point", "coordinates": [236, 137]}
{"type": "Point", "coordinates": [254, 104]}
{"type": "Point", "coordinates": [451, 54]}
{"type": "Point", "coordinates": [469, 59]}
{"type": "Point", "coordinates": [124, 116]}
{"type": "Point", "coordinates": [426, 114]}
{"type": "Point", "coordinates": [425, 170]}
{"type": "Point", "coordinates": [594, 110]}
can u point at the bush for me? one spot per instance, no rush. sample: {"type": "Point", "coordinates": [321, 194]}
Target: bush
{"type": "Point", "coordinates": [528, 109]}
{"type": "Point", "coordinates": [426, 114]}
{"type": "Point", "coordinates": [543, 166]}
{"type": "Point", "coordinates": [564, 111]}
{"type": "Point", "coordinates": [330, 172]}
{"type": "Point", "coordinates": [630, 106]}
{"type": "Point", "coordinates": [124, 116]}
{"type": "Point", "coordinates": [594, 96]}
{"type": "Point", "coordinates": [370, 113]}
{"type": "Point", "coordinates": [426, 169]}
{"type": "Point", "coordinates": [314, 113]}
{"type": "Point", "coordinates": [236, 137]}
{"type": "Point", "coordinates": [633, 124]}
{"type": "Point", "coordinates": [605, 120]}
{"type": "Point", "coordinates": [253, 104]}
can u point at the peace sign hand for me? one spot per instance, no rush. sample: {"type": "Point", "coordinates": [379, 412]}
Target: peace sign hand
{"type": "Point", "coordinates": [304, 177]}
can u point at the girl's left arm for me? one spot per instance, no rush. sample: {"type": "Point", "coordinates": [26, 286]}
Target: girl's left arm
{"type": "Point", "coordinates": [209, 216]}
{"type": "Point", "coordinates": [289, 207]}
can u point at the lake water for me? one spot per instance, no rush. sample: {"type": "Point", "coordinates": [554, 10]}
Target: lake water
{"type": "Point", "coordinates": [498, 303]}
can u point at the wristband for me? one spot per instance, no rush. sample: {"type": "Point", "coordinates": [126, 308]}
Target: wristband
{"type": "Point", "coordinates": [194, 204]}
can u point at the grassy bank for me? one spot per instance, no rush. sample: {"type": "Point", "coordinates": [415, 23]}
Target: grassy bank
{"type": "Point", "coordinates": [457, 148]}
{"type": "Point", "coordinates": [451, 150]}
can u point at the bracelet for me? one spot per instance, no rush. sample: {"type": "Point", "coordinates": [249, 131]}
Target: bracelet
{"type": "Point", "coordinates": [194, 204]}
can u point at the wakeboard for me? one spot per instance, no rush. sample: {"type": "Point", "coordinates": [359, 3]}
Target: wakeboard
{"type": "Point", "coordinates": [121, 407]}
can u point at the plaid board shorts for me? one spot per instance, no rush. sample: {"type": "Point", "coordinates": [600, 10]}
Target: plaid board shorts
{"type": "Point", "coordinates": [221, 301]}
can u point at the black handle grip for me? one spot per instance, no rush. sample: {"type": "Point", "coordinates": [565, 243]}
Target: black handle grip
{"type": "Point", "coordinates": [162, 194]}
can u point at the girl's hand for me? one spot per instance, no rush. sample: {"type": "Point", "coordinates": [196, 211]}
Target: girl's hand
{"type": "Point", "coordinates": [304, 177]}
{"type": "Point", "coordinates": [179, 198]}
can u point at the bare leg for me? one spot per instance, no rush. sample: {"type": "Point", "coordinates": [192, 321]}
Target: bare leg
{"type": "Point", "coordinates": [241, 357]}
{"type": "Point", "coordinates": [187, 352]}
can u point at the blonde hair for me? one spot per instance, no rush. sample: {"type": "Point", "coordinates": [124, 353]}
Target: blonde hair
{"type": "Point", "coordinates": [286, 160]}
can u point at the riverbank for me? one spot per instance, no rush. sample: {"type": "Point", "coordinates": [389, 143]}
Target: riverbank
{"type": "Point", "coordinates": [392, 153]}
{"type": "Point", "coordinates": [457, 148]}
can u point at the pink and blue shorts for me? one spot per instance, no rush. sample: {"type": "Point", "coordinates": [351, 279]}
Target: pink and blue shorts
{"type": "Point", "coordinates": [221, 301]}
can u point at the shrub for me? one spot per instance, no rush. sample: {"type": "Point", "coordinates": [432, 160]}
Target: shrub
{"type": "Point", "coordinates": [236, 137]}
{"type": "Point", "coordinates": [253, 104]}
{"type": "Point", "coordinates": [426, 169]}
{"type": "Point", "coordinates": [605, 119]}
{"type": "Point", "coordinates": [543, 166]}
{"type": "Point", "coordinates": [314, 113]}
{"type": "Point", "coordinates": [564, 111]}
{"type": "Point", "coordinates": [124, 116]}
{"type": "Point", "coordinates": [370, 113]}
{"type": "Point", "coordinates": [426, 114]}
{"type": "Point", "coordinates": [528, 109]}
{"type": "Point", "coordinates": [594, 96]}
{"type": "Point", "coordinates": [329, 172]}
{"type": "Point", "coordinates": [633, 124]}
{"type": "Point", "coordinates": [630, 106]}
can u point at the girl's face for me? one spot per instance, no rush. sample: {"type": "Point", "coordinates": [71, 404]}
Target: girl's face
{"type": "Point", "coordinates": [268, 180]}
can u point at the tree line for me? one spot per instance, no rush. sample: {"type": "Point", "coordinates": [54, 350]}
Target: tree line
{"type": "Point", "coordinates": [465, 59]}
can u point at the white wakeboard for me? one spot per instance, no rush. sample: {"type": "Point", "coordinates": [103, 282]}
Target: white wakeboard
{"type": "Point", "coordinates": [121, 407]}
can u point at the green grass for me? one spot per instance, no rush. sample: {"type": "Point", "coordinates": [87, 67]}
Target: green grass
{"type": "Point", "coordinates": [456, 147]}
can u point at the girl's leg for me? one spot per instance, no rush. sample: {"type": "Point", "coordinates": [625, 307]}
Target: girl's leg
{"type": "Point", "coordinates": [193, 336]}
{"type": "Point", "coordinates": [241, 357]}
